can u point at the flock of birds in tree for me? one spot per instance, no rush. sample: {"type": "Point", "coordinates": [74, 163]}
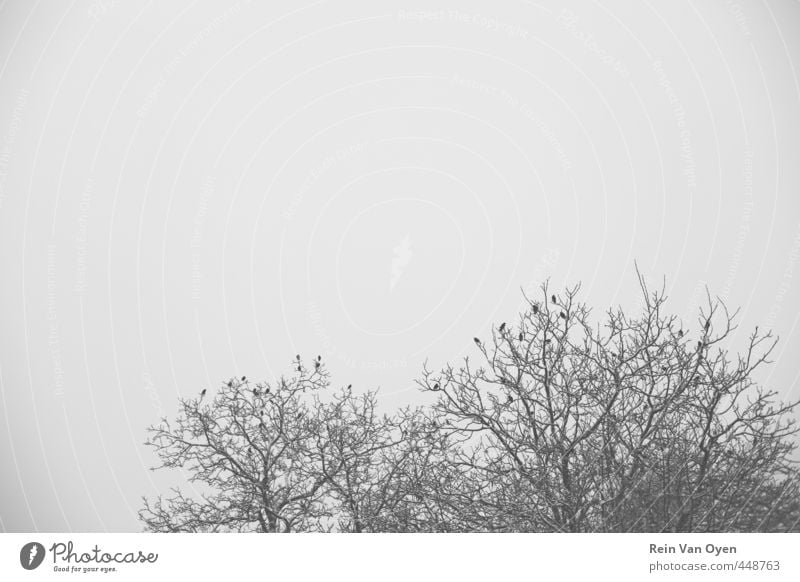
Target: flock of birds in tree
{"type": "Point", "coordinates": [257, 392]}
{"type": "Point", "coordinates": [436, 386]}
{"type": "Point", "coordinates": [535, 308]}
{"type": "Point", "coordinates": [521, 337]}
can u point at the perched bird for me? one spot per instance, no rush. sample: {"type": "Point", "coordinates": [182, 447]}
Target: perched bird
{"type": "Point", "coordinates": [553, 297]}
{"type": "Point", "coordinates": [510, 399]}
{"type": "Point", "coordinates": [521, 336]}
{"type": "Point", "coordinates": [316, 365]}
{"type": "Point", "coordinates": [502, 327]}
{"type": "Point", "coordinates": [319, 358]}
{"type": "Point", "coordinates": [680, 333]}
{"type": "Point", "coordinates": [244, 378]}
{"type": "Point", "coordinates": [230, 384]}
{"type": "Point", "coordinates": [266, 391]}
{"type": "Point", "coordinates": [436, 386]}
{"type": "Point", "coordinates": [699, 344]}
{"type": "Point", "coordinates": [562, 315]}
{"type": "Point", "coordinates": [298, 357]}
{"type": "Point", "coordinates": [477, 341]}
{"type": "Point", "coordinates": [299, 369]}
{"type": "Point", "coordinates": [203, 393]}
{"type": "Point", "coordinates": [535, 309]}
{"type": "Point", "coordinates": [255, 391]}
{"type": "Point", "coordinates": [349, 386]}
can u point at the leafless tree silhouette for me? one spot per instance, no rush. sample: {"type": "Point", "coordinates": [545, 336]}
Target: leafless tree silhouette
{"type": "Point", "coordinates": [635, 424]}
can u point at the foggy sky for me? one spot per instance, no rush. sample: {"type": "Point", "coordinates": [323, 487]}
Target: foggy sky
{"type": "Point", "coordinates": [191, 191]}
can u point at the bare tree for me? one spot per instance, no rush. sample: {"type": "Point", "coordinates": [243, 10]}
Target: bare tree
{"type": "Point", "coordinates": [250, 453]}
{"type": "Point", "coordinates": [283, 458]}
{"type": "Point", "coordinates": [564, 424]}
{"type": "Point", "coordinates": [635, 425]}
{"type": "Point", "coordinates": [357, 452]}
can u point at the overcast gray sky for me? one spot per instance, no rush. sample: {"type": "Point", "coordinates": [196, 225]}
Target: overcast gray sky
{"type": "Point", "coordinates": [195, 190]}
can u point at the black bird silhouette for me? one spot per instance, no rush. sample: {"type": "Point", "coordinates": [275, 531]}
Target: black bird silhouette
{"type": "Point", "coordinates": [477, 341]}
{"type": "Point", "coordinates": [502, 327]}
{"type": "Point", "coordinates": [562, 315]}
{"type": "Point", "coordinates": [349, 386]}
{"type": "Point", "coordinates": [319, 358]}
{"type": "Point", "coordinates": [316, 365]}
{"type": "Point", "coordinates": [255, 391]}
{"type": "Point", "coordinates": [699, 345]}
{"type": "Point", "coordinates": [299, 369]}
{"type": "Point", "coordinates": [203, 393]}
{"type": "Point", "coordinates": [298, 357]}
{"type": "Point", "coordinates": [436, 386]}
{"type": "Point", "coordinates": [553, 297]}
{"type": "Point", "coordinates": [244, 378]}
{"type": "Point", "coordinates": [230, 384]}
{"type": "Point", "coordinates": [680, 333]}
{"type": "Point", "coordinates": [266, 391]}
{"type": "Point", "coordinates": [510, 399]}
{"type": "Point", "coordinates": [535, 309]}
{"type": "Point", "coordinates": [521, 336]}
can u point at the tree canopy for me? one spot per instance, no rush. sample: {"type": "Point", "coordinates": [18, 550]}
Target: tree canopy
{"type": "Point", "coordinates": [560, 424]}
